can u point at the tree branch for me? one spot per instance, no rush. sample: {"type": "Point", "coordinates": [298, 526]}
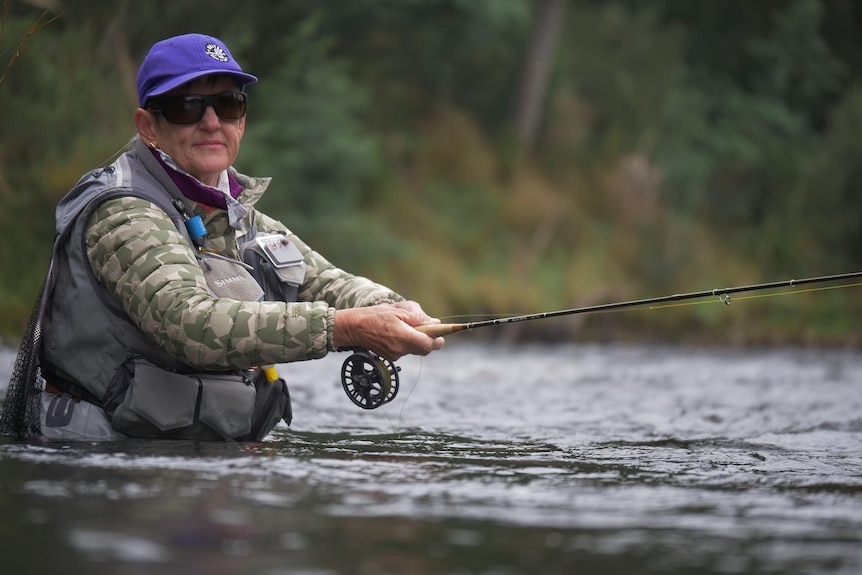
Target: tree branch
{"type": "Point", "coordinates": [19, 47]}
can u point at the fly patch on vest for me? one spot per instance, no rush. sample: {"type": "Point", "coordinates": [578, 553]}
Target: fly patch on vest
{"type": "Point", "coordinates": [230, 278]}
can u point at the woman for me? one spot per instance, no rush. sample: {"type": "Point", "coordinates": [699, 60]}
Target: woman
{"type": "Point", "coordinates": [169, 287]}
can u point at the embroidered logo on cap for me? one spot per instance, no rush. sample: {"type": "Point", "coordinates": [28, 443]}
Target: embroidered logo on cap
{"type": "Point", "coordinates": [216, 52]}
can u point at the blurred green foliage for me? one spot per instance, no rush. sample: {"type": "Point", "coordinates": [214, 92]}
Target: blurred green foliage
{"type": "Point", "coordinates": [683, 145]}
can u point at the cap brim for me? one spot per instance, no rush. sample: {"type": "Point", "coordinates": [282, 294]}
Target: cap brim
{"type": "Point", "coordinates": [241, 77]}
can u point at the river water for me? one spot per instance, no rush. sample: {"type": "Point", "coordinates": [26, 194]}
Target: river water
{"type": "Point", "coordinates": [493, 459]}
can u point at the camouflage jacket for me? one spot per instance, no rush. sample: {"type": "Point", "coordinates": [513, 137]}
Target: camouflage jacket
{"type": "Point", "coordinates": [141, 259]}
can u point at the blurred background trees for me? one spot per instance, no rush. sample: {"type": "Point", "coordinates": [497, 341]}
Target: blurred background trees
{"type": "Point", "coordinates": [494, 156]}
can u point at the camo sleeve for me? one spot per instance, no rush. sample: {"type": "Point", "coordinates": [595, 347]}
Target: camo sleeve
{"type": "Point", "coordinates": [326, 282]}
{"type": "Point", "coordinates": [138, 255]}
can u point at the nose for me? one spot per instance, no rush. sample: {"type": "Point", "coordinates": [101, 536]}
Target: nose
{"type": "Point", "coordinates": [210, 118]}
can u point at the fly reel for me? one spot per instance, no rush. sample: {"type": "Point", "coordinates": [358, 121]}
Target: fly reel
{"type": "Point", "coordinates": [368, 379]}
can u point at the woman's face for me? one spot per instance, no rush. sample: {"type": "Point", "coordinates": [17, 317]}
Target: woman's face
{"type": "Point", "coordinates": [203, 149]}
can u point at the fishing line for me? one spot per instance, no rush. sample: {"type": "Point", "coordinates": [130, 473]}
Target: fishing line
{"type": "Point", "coordinates": [750, 297]}
{"type": "Point", "coordinates": [124, 148]}
{"type": "Point", "coordinates": [395, 428]}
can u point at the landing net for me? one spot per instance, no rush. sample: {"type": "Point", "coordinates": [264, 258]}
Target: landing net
{"type": "Point", "coordinates": [20, 416]}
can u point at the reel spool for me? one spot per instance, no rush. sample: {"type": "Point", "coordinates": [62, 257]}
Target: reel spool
{"type": "Point", "coordinates": [368, 379]}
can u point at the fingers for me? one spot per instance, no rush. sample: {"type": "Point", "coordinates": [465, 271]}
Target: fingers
{"type": "Point", "coordinates": [394, 336]}
{"type": "Point", "coordinates": [417, 314]}
{"type": "Point", "coordinates": [387, 330]}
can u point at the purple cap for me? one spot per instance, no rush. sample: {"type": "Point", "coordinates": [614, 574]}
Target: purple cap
{"type": "Point", "coordinates": [175, 61]}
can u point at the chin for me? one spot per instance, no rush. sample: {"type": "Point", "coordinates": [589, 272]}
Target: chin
{"type": "Point", "coordinates": [210, 170]}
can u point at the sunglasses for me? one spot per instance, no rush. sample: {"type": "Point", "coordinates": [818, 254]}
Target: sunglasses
{"type": "Point", "coordinates": [191, 109]}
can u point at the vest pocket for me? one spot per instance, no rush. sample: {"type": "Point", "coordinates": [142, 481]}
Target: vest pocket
{"type": "Point", "coordinates": [165, 399]}
{"type": "Point", "coordinates": [227, 404]}
{"type": "Point", "coordinates": [144, 400]}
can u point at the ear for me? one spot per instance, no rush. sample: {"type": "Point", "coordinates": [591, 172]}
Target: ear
{"type": "Point", "coordinates": [145, 122]}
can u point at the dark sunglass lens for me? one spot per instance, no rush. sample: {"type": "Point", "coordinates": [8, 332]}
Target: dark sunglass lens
{"type": "Point", "coordinates": [230, 105]}
{"type": "Point", "coordinates": [184, 109]}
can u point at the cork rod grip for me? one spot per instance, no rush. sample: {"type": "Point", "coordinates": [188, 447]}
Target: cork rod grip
{"type": "Point", "coordinates": [440, 329]}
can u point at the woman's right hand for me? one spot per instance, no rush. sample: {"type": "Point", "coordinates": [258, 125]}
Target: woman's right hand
{"type": "Point", "coordinates": [385, 329]}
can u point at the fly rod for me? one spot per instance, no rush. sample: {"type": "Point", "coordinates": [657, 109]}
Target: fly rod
{"type": "Point", "coordinates": [723, 294]}
{"type": "Point", "coordinates": [371, 381]}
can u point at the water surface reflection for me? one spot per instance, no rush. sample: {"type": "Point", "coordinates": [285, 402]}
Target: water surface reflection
{"type": "Point", "coordinates": [491, 460]}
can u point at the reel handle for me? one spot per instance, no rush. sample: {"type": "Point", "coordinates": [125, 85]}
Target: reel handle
{"type": "Point", "coordinates": [440, 329]}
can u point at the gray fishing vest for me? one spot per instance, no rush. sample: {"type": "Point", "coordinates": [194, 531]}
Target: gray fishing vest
{"type": "Point", "coordinates": [91, 349]}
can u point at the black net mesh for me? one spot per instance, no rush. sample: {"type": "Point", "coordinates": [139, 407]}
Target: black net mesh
{"type": "Point", "coordinates": [20, 416]}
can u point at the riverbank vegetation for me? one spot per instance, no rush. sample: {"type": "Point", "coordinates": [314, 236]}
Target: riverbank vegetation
{"type": "Point", "coordinates": [495, 156]}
